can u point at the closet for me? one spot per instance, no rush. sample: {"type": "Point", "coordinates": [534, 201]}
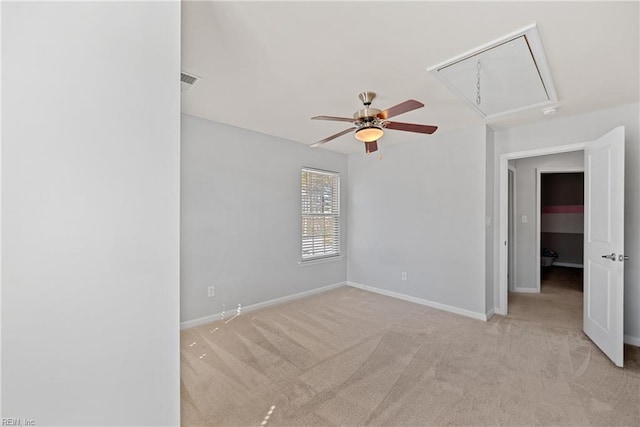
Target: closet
{"type": "Point", "coordinates": [562, 218]}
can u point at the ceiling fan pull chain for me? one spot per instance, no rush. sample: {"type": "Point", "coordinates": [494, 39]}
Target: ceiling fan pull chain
{"type": "Point", "coordinates": [478, 99]}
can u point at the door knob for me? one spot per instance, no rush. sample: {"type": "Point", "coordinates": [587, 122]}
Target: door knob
{"type": "Point", "coordinates": [623, 257]}
{"type": "Point", "coordinates": [612, 257]}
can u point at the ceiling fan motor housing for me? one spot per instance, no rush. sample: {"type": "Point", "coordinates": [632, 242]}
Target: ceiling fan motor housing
{"type": "Point", "coordinates": [367, 114]}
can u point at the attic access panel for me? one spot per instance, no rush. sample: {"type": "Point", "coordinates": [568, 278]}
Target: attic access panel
{"type": "Point", "coordinates": [502, 77]}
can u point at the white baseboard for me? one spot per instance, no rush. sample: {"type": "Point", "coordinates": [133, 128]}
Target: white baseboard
{"type": "Point", "coordinates": [421, 301]}
{"type": "Point", "coordinates": [525, 291]}
{"type": "Point", "coordinates": [490, 313]}
{"type": "Point", "coordinates": [628, 339]}
{"type": "Point", "coordinates": [245, 309]}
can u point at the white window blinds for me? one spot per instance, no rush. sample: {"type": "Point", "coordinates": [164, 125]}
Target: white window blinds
{"type": "Point", "coordinates": [320, 196]}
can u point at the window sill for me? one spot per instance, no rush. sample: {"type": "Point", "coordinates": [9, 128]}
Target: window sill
{"type": "Point", "coordinates": [320, 260]}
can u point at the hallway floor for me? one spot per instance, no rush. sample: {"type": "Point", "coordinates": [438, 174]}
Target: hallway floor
{"type": "Point", "coordinates": [561, 279]}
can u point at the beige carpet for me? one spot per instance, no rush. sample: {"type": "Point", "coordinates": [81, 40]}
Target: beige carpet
{"type": "Point", "coordinates": [349, 357]}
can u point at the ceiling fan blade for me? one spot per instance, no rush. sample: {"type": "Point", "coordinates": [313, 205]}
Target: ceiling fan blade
{"type": "Point", "coordinates": [370, 147]}
{"type": "Point", "coordinates": [329, 138]}
{"type": "Point", "coordinates": [410, 127]}
{"type": "Point", "coordinates": [403, 107]}
{"type": "Point", "coordinates": [335, 119]}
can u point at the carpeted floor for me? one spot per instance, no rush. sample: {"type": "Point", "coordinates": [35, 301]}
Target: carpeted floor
{"type": "Point", "coordinates": [349, 357]}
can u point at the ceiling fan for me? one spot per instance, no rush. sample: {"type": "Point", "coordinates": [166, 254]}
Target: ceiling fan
{"type": "Point", "coordinates": [369, 123]}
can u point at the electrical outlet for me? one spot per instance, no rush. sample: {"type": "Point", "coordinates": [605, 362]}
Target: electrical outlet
{"type": "Point", "coordinates": [404, 275]}
{"type": "Point", "coordinates": [211, 291]}
{"type": "Point", "coordinates": [525, 219]}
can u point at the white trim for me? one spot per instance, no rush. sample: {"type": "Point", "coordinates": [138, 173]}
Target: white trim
{"type": "Point", "coordinates": [421, 301]}
{"type": "Point", "coordinates": [512, 248]}
{"type": "Point", "coordinates": [489, 314]}
{"type": "Point", "coordinates": [218, 316]}
{"type": "Point", "coordinates": [320, 260]}
{"type": "Point", "coordinates": [567, 264]}
{"type": "Point", "coordinates": [503, 165]}
{"type": "Point", "coordinates": [628, 339]}
{"type": "Point", "coordinates": [538, 210]}
{"type": "Point", "coordinates": [517, 290]}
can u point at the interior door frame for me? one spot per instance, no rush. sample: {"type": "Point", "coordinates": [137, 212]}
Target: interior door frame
{"type": "Point", "coordinates": [511, 229]}
{"type": "Point", "coordinates": [503, 171]}
{"type": "Point", "coordinates": [539, 173]}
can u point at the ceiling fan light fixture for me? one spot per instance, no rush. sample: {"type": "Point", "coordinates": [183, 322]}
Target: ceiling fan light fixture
{"type": "Point", "coordinates": [369, 134]}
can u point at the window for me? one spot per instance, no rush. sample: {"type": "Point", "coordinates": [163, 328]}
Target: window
{"type": "Point", "coordinates": [320, 197]}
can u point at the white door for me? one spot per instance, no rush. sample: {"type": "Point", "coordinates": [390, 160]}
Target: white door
{"type": "Point", "coordinates": [604, 243]}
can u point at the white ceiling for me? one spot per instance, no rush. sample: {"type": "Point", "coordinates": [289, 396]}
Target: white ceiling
{"type": "Point", "coordinates": [270, 66]}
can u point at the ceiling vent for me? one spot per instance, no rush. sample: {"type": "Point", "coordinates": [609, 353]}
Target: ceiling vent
{"type": "Point", "coordinates": [187, 81]}
{"type": "Point", "coordinates": [502, 77]}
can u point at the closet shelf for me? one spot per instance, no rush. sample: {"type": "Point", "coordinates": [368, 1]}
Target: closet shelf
{"type": "Point", "coordinates": [563, 209]}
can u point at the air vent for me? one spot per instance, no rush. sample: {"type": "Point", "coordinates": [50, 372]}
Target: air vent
{"type": "Point", "coordinates": [187, 80]}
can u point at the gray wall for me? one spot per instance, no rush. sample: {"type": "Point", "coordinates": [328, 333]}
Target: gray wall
{"type": "Point", "coordinates": [585, 127]}
{"type": "Point", "coordinates": [526, 205]}
{"type": "Point", "coordinates": [240, 223]}
{"type": "Point", "coordinates": [90, 212]}
{"type": "Point", "coordinates": [421, 210]}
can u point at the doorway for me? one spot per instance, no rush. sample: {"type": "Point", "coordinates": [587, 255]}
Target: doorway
{"type": "Point", "coordinates": [561, 241]}
{"type": "Point", "coordinates": [546, 213]}
{"type": "Point", "coordinates": [560, 221]}
{"type": "Point", "coordinates": [525, 204]}
{"type": "Point", "coordinates": [549, 221]}
{"type": "Point", "coordinates": [503, 219]}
